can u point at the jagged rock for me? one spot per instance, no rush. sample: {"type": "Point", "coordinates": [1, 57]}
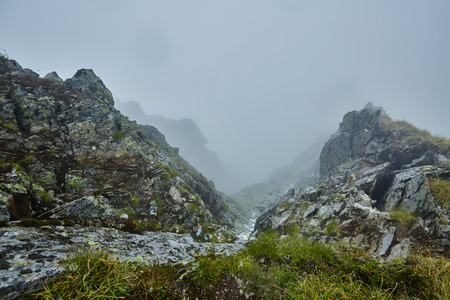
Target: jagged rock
{"type": "Point", "coordinates": [185, 135]}
{"type": "Point", "coordinates": [5, 198]}
{"type": "Point", "coordinates": [87, 83]}
{"type": "Point", "coordinates": [370, 168]}
{"type": "Point", "coordinates": [410, 190]}
{"type": "Point", "coordinates": [53, 76]}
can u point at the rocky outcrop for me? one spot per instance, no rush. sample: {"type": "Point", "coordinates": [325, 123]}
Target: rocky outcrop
{"type": "Point", "coordinates": [375, 191]}
{"type": "Point", "coordinates": [67, 153]}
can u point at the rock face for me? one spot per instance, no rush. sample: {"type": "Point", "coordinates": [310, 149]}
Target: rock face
{"type": "Point", "coordinates": [67, 153]}
{"type": "Point", "coordinates": [374, 191]}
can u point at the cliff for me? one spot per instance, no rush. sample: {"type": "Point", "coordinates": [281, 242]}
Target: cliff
{"type": "Point", "coordinates": [382, 188]}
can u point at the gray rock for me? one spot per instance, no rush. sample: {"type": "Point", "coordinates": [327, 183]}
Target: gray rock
{"type": "Point", "coordinates": [89, 207]}
{"type": "Point", "coordinates": [32, 256]}
{"type": "Point", "coordinates": [53, 76]}
{"type": "Point", "coordinates": [410, 190]}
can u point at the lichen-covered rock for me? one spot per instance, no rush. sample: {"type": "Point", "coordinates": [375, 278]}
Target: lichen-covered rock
{"type": "Point", "coordinates": [30, 256]}
{"type": "Point", "coordinates": [66, 152]}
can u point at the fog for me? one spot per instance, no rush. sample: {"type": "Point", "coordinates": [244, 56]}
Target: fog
{"type": "Point", "coordinates": [261, 79]}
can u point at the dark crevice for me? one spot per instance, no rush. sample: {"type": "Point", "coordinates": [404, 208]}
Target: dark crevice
{"type": "Point", "coordinates": [381, 189]}
{"type": "Point", "coordinates": [18, 115]}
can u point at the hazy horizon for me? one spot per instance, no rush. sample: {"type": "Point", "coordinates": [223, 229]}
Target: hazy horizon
{"type": "Point", "coordinates": [262, 80]}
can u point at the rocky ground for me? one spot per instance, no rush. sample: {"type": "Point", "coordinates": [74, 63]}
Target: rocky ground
{"type": "Point", "coordinates": [30, 256]}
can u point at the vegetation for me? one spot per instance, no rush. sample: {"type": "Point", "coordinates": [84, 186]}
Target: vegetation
{"type": "Point", "coordinates": [440, 143]}
{"type": "Point", "coordinates": [273, 267]}
{"type": "Point", "coordinates": [333, 228]}
{"type": "Point", "coordinates": [170, 173]}
{"type": "Point", "coordinates": [440, 188]}
{"type": "Point", "coordinates": [134, 199]}
{"type": "Point", "coordinates": [185, 166]}
{"type": "Point", "coordinates": [117, 136]}
{"type": "Point", "coordinates": [403, 216]}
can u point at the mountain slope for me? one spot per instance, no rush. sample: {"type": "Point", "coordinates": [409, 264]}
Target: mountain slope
{"type": "Point", "coordinates": [67, 154]}
{"type": "Point", "coordinates": [185, 135]}
{"type": "Point", "coordinates": [377, 191]}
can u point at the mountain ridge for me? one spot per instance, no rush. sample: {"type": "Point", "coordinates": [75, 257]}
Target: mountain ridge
{"type": "Point", "coordinates": [376, 174]}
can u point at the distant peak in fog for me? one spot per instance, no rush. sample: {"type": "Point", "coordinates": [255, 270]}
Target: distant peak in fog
{"type": "Point", "coordinates": [186, 135]}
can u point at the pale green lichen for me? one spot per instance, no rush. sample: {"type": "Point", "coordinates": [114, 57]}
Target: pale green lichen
{"type": "Point", "coordinates": [74, 183]}
{"type": "Point", "coordinates": [16, 188]}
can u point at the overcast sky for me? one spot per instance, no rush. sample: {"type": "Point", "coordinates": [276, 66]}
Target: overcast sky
{"type": "Point", "coordinates": [262, 79]}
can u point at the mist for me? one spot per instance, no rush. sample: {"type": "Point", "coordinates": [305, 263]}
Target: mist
{"type": "Point", "coordinates": [261, 79]}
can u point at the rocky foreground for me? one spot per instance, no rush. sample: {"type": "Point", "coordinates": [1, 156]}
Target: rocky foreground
{"type": "Point", "coordinates": [30, 256]}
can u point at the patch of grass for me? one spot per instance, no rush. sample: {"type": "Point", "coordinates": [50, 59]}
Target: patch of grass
{"type": "Point", "coordinates": [117, 136]}
{"type": "Point", "coordinates": [333, 228]}
{"type": "Point", "coordinates": [128, 211]}
{"type": "Point", "coordinates": [26, 160]}
{"type": "Point", "coordinates": [440, 143]}
{"type": "Point", "coordinates": [207, 272]}
{"type": "Point", "coordinates": [177, 228]}
{"type": "Point", "coordinates": [170, 173]}
{"type": "Point", "coordinates": [134, 199]}
{"type": "Point", "coordinates": [11, 126]}
{"type": "Point", "coordinates": [45, 196]}
{"type": "Point", "coordinates": [440, 189]}
{"type": "Point", "coordinates": [284, 206]}
{"type": "Point", "coordinates": [158, 203]}
{"type": "Point", "coordinates": [185, 166]}
{"type": "Point", "coordinates": [95, 274]}
{"type": "Point", "coordinates": [403, 216]}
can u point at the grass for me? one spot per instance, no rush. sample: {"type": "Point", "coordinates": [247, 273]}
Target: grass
{"type": "Point", "coordinates": [273, 267]}
{"type": "Point", "coordinates": [117, 136]}
{"type": "Point", "coordinates": [403, 216]}
{"type": "Point", "coordinates": [95, 274]}
{"type": "Point", "coordinates": [440, 189]}
{"type": "Point", "coordinates": [333, 228]}
{"type": "Point", "coordinates": [440, 143]}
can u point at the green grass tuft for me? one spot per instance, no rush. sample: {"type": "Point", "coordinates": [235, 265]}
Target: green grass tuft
{"type": "Point", "coordinates": [440, 189]}
{"type": "Point", "coordinates": [403, 216]}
